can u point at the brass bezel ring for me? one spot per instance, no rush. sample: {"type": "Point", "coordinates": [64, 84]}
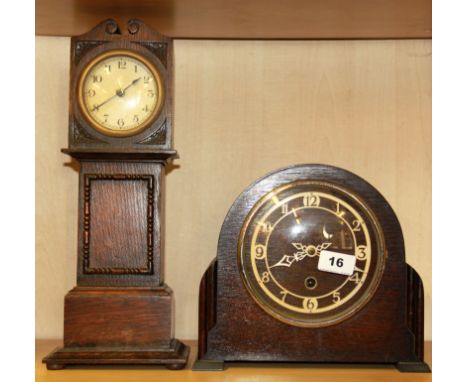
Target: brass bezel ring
{"type": "Point", "coordinates": [86, 114]}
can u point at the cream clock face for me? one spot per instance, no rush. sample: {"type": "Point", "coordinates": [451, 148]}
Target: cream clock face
{"type": "Point", "coordinates": [120, 93]}
{"type": "Point", "coordinates": [311, 254]}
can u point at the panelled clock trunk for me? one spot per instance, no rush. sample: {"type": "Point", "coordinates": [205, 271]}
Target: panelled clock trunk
{"type": "Point", "coordinates": [120, 132]}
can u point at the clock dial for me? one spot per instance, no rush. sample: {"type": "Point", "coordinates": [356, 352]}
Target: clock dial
{"type": "Point", "coordinates": [120, 93]}
{"type": "Point", "coordinates": [281, 245]}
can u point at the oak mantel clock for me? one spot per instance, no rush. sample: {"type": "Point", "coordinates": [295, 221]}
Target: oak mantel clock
{"type": "Point", "coordinates": [311, 268]}
{"type": "Point", "coordinates": [120, 131]}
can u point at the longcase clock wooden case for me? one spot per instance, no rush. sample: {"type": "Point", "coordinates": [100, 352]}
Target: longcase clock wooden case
{"type": "Point", "coordinates": [120, 132]}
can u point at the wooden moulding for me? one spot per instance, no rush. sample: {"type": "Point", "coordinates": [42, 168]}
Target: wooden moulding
{"type": "Point", "coordinates": [173, 357]}
{"type": "Point", "coordinates": [120, 224]}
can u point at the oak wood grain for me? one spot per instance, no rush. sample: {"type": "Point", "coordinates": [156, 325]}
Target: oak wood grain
{"type": "Point", "coordinates": [245, 19]}
{"type": "Point", "coordinates": [119, 230]}
{"type": "Point", "coordinates": [110, 323]}
{"type": "Point", "coordinates": [120, 226]}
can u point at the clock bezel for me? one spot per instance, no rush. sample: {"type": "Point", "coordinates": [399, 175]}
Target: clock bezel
{"type": "Point", "coordinates": [356, 305]}
{"type": "Point", "coordinates": [115, 53]}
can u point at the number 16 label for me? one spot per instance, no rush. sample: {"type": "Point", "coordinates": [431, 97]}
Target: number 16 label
{"type": "Point", "coordinates": [335, 262]}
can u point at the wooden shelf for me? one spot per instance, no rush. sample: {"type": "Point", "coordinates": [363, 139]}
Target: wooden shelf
{"type": "Point", "coordinates": [237, 372]}
{"type": "Point", "coordinates": [253, 19]}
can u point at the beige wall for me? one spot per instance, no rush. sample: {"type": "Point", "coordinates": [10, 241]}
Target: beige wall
{"type": "Point", "coordinates": [242, 109]}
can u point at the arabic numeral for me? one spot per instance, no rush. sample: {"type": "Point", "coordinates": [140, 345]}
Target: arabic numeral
{"type": "Point", "coordinates": [356, 225]}
{"type": "Point", "coordinates": [265, 277]}
{"type": "Point", "coordinates": [361, 252]}
{"type": "Point", "coordinates": [146, 79]}
{"type": "Point", "coordinates": [311, 200]}
{"type": "Point", "coordinates": [260, 252]}
{"type": "Point", "coordinates": [336, 297]}
{"type": "Point", "coordinates": [310, 304]}
{"type": "Point", "coordinates": [355, 278]}
{"type": "Point", "coordinates": [120, 122]}
{"type": "Point", "coordinates": [283, 294]}
{"type": "Point", "coordinates": [265, 227]}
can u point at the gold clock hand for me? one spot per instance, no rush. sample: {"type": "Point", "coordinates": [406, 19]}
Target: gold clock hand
{"type": "Point", "coordinates": [285, 261]}
{"type": "Point", "coordinates": [306, 251]}
{"type": "Point", "coordinates": [311, 250]}
{"type": "Point", "coordinates": [321, 247]}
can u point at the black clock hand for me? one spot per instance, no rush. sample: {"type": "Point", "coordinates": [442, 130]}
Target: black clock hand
{"type": "Point", "coordinates": [96, 107]}
{"type": "Point", "coordinates": [118, 93]}
{"type": "Point", "coordinates": [121, 92]}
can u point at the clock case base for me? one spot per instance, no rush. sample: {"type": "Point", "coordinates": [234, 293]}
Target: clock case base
{"type": "Point", "coordinates": [119, 326]}
{"type": "Point", "coordinates": [406, 367]}
{"type": "Point", "coordinates": [212, 355]}
{"type": "Point", "coordinates": [233, 328]}
{"type": "Point", "coordinates": [173, 357]}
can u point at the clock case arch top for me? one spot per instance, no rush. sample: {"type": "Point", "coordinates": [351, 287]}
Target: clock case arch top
{"type": "Point", "coordinates": [389, 329]}
{"type": "Point", "coordinates": [156, 139]}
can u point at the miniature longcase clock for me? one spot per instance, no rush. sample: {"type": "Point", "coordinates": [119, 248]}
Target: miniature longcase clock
{"type": "Point", "coordinates": [311, 268]}
{"type": "Point", "coordinates": [120, 132]}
